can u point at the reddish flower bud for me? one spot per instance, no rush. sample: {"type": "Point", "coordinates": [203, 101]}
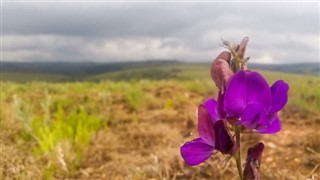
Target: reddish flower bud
{"type": "Point", "coordinates": [220, 70]}
{"type": "Point", "coordinates": [251, 170]}
{"type": "Point", "coordinates": [242, 48]}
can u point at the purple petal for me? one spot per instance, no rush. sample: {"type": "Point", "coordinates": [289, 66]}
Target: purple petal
{"type": "Point", "coordinates": [220, 110]}
{"type": "Point", "coordinates": [205, 125]}
{"type": "Point", "coordinates": [274, 127]}
{"type": "Point", "coordinates": [196, 151]}
{"type": "Point", "coordinates": [224, 141]}
{"type": "Point", "coordinates": [254, 117]}
{"type": "Point", "coordinates": [211, 106]}
{"type": "Point", "coordinates": [279, 91]}
{"type": "Point", "coordinates": [246, 88]}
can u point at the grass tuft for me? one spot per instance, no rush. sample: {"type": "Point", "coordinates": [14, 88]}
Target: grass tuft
{"type": "Point", "coordinates": [61, 137]}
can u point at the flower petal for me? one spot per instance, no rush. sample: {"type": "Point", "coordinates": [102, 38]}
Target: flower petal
{"type": "Point", "coordinates": [254, 117]}
{"type": "Point", "coordinates": [205, 125]}
{"type": "Point", "coordinates": [246, 88]}
{"type": "Point", "coordinates": [211, 106]}
{"type": "Point", "coordinates": [196, 151]}
{"type": "Point", "coordinates": [274, 127]}
{"type": "Point", "coordinates": [224, 141]}
{"type": "Point", "coordinates": [220, 111]}
{"type": "Point", "coordinates": [279, 91]}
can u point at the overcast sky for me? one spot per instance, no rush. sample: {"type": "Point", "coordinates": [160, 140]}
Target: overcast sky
{"type": "Point", "coordinates": [188, 31]}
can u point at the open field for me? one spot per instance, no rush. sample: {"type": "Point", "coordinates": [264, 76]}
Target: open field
{"type": "Point", "coordinates": [133, 129]}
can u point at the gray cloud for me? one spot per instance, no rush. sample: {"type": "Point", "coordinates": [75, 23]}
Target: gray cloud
{"type": "Point", "coordinates": [279, 32]}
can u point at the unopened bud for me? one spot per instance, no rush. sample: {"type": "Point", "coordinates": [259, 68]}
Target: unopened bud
{"type": "Point", "coordinates": [242, 48]}
{"type": "Point", "coordinates": [220, 70]}
{"type": "Point", "coordinates": [253, 162]}
{"type": "Point", "coordinates": [238, 61]}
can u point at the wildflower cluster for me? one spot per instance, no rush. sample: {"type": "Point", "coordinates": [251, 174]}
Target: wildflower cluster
{"type": "Point", "coordinates": [246, 102]}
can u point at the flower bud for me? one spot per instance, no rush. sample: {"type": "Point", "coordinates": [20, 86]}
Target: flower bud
{"type": "Point", "coordinates": [253, 162]}
{"type": "Point", "coordinates": [242, 48]}
{"type": "Point", "coordinates": [220, 70]}
{"type": "Point", "coordinates": [240, 53]}
{"type": "Point", "coordinates": [238, 61]}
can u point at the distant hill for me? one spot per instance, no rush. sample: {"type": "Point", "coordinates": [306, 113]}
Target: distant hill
{"type": "Point", "coordinates": [63, 71]}
{"type": "Point", "coordinates": [303, 68]}
{"type": "Point", "coordinates": [79, 69]}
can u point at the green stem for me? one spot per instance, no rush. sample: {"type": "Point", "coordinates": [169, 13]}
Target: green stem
{"type": "Point", "coordinates": [237, 129]}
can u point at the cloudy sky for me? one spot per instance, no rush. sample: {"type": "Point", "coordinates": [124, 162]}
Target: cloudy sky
{"type": "Point", "coordinates": [132, 31]}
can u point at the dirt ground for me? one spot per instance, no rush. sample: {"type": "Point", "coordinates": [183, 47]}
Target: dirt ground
{"type": "Point", "coordinates": [150, 150]}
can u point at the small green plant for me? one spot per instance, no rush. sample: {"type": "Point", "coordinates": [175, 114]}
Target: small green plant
{"type": "Point", "coordinates": [134, 96]}
{"type": "Point", "coordinates": [199, 86]}
{"type": "Point", "coordinates": [77, 127]}
{"type": "Point", "coordinates": [169, 104]}
{"type": "Point", "coordinates": [60, 137]}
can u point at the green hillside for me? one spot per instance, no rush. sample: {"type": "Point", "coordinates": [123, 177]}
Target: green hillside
{"type": "Point", "coordinates": [153, 70]}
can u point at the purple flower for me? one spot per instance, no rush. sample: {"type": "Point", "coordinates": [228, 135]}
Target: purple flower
{"type": "Point", "coordinates": [213, 136]}
{"type": "Point", "coordinates": [249, 97]}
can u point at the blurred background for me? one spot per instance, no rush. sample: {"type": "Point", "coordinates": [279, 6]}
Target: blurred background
{"type": "Point", "coordinates": [110, 90]}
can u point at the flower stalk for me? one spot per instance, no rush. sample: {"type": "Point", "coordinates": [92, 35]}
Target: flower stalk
{"type": "Point", "coordinates": [237, 130]}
